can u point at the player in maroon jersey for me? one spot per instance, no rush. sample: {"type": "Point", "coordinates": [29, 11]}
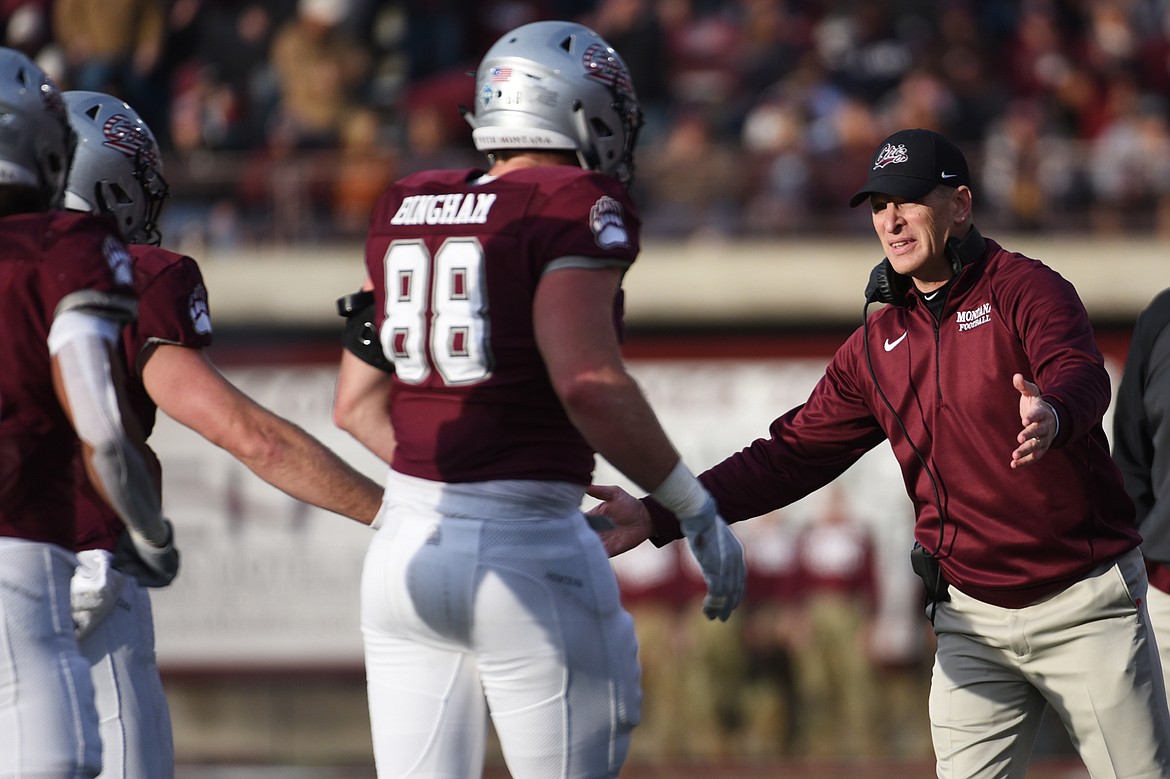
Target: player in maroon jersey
{"type": "Point", "coordinates": [497, 302]}
{"type": "Point", "coordinates": [117, 171]}
{"type": "Point", "coordinates": [65, 279]}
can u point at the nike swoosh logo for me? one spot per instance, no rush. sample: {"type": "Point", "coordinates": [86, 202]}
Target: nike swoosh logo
{"type": "Point", "coordinates": [891, 344]}
{"type": "Point", "coordinates": [946, 175]}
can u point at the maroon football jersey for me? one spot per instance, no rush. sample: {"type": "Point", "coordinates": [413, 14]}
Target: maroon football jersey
{"type": "Point", "coordinates": [455, 262]}
{"type": "Point", "coordinates": [172, 309]}
{"type": "Point", "coordinates": [47, 258]}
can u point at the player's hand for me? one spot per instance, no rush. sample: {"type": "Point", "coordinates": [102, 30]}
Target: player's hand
{"type": "Point", "coordinates": [152, 566]}
{"type": "Point", "coordinates": [720, 556]}
{"type": "Point", "coordinates": [629, 522]}
{"type": "Point", "coordinates": [1038, 421]}
{"type": "Point", "coordinates": [93, 590]}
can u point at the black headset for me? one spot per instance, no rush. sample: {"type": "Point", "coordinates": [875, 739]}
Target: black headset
{"type": "Point", "coordinates": [888, 286]}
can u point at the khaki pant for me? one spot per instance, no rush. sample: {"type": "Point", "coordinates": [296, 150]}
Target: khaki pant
{"type": "Point", "coordinates": [1159, 607]}
{"type": "Point", "coordinates": [1086, 652]}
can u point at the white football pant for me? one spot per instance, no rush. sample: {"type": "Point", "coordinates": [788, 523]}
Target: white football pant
{"type": "Point", "coordinates": [131, 706]}
{"type": "Point", "coordinates": [495, 597]}
{"type": "Point", "coordinates": [48, 724]}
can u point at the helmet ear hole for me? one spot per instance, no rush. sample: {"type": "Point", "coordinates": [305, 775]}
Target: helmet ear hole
{"type": "Point", "coordinates": [120, 196]}
{"type": "Point", "coordinates": [600, 128]}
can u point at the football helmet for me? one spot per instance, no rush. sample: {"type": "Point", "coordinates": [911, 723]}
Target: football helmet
{"type": "Point", "coordinates": [117, 168]}
{"type": "Point", "coordinates": [36, 141]}
{"type": "Point", "coordinates": [557, 85]}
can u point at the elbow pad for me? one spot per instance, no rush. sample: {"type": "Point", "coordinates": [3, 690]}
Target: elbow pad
{"type": "Point", "coordinates": [80, 344]}
{"type": "Point", "coordinates": [361, 337]}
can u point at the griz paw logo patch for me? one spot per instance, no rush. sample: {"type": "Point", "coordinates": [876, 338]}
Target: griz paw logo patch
{"type": "Point", "coordinates": [608, 224]}
{"type": "Point", "coordinates": [199, 311]}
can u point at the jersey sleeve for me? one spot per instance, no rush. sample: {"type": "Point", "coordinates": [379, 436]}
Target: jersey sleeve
{"type": "Point", "coordinates": [588, 222]}
{"type": "Point", "coordinates": [173, 307]}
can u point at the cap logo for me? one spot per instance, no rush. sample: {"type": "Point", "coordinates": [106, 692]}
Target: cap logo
{"type": "Point", "coordinates": [891, 154]}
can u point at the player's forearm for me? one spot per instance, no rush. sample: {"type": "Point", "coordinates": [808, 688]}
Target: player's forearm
{"type": "Point", "coordinates": [613, 415]}
{"type": "Point", "coordinates": [374, 433]}
{"type": "Point", "coordinates": [290, 459]}
{"type": "Point", "coordinates": [366, 417]}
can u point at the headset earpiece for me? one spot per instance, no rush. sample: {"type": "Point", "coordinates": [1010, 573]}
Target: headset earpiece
{"type": "Point", "coordinates": [965, 250]}
{"type": "Point", "coordinates": [886, 285]}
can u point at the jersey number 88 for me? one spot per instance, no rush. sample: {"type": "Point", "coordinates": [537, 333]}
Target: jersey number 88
{"type": "Point", "coordinates": [450, 284]}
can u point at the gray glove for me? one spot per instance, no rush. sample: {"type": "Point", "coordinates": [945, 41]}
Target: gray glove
{"type": "Point", "coordinates": [720, 556]}
{"type": "Point", "coordinates": [152, 566]}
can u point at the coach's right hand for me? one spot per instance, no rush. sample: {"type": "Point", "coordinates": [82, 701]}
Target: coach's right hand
{"type": "Point", "coordinates": [720, 556]}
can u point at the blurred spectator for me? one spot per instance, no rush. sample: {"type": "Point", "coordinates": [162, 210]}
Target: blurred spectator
{"type": "Point", "coordinates": [1027, 170]}
{"type": "Point", "coordinates": [967, 63]}
{"type": "Point", "coordinates": [1130, 164]}
{"type": "Point", "coordinates": [439, 38]}
{"type": "Point", "coordinates": [26, 25]}
{"type": "Point", "coordinates": [771, 701]}
{"type": "Point", "coordinates": [862, 49]}
{"type": "Point", "coordinates": [776, 165]}
{"type": "Point", "coordinates": [791, 96]}
{"type": "Point", "coordinates": [1111, 43]}
{"type": "Point", "coordinates": [1154, 50]}
{"type": "Point", "coordinates": [776, 35]}
{"type": "Point", "coordinates": [432, 124]}
{"type": "Point", "coordinates": [837, 589]}
{"type": "Point", "coordinates": [320, 71]}
{"type": "Point", "coordinates": [1038, 55]}
{"type": "Point", "coordinates": [632, 28]}
{"type": "Point", "coordinates": [920, 99]}
{"type": "Point", "coordinates": [701, 62]}
{"type": "Point", "coordinates": [840, 144]}
{"type": "Point", "coordinates": [659, 596]}
{"type": "Point", "coordinates": [115, 46]}
{"type": "Point", "coordinates": [694, 186]}
{"type": "Point", "coordinates": [225, 89]}
{"type": "Point", "coordinates": [366, 167]}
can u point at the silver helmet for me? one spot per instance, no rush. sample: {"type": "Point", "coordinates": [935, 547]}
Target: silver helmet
{"type": "Point", "coordinates": [117, 169]}
{"type": "Point", "coordinates": [36, 141]}
{"type": "Point", "coordinates": [558, 86]}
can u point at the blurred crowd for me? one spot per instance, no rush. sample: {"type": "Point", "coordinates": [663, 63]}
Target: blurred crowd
{"type": "Point", "coordinates": [283, 119]}
{"type": "Point", "coordinates": [804, 668]}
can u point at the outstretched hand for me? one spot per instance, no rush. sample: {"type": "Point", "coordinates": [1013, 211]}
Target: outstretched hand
{"type": "Point", "coordinates": [1038, 421]}
{"type": "Point", "coordinates": [630, 520]}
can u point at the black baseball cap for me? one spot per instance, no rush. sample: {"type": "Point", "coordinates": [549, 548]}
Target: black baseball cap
{"type": "Point", "coordinates": [911, 163]}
